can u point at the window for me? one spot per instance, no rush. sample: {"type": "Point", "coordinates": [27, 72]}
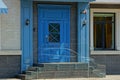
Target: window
{"type": "Point", "coordinates": [104, 31]}
{"type": "Point", "coordinates": [54, 32]}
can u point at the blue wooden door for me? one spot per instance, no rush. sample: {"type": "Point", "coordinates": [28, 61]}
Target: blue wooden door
{"type": "Point", "coordinates": [53, 33]}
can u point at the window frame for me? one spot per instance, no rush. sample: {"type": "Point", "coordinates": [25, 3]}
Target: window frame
{"type": "Point", "coordinates": [117, 32]}
{"type": "Point", "coordinates": [103, 23]}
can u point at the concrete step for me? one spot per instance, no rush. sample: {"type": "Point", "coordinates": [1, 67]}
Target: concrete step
{"type": "Point", "coordinates": [65, 66]}
{"type": "Point", "coordinates": [33, 68]}
{"type": "Point", "coordinates": [63, 74]}
{"type": "Point", "coordinates": [55, 74]}
{"type": "Point", "coordinates": [99, 73]}
{"type": "Point", "coordinates": [60, 67]}
{"type": "Point", "coordinates": [24, 77]}
{"type": "Point", "coordinates": [63, 70]}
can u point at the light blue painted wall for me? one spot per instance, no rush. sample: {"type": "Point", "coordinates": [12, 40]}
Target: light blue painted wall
{"type": "Point", "coordinates": [83, 32]}
{"type": "Point", "coordinates": [26, 34]}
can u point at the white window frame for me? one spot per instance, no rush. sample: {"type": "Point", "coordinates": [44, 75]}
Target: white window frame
{"type": "Point", "coordinates": [0, 32]}
{"type": "Point", "coordinates": [117, 31]}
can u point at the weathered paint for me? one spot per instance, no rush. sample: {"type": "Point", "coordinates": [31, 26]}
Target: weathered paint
{"type": "Point", "coordinates": [73, 29]}
{"type": "Point", "coordinates": [53, 51]}
{"type": "Point", "coordinates": [26, 34]}
{"type": "Point", "coordinates": [83, 32]}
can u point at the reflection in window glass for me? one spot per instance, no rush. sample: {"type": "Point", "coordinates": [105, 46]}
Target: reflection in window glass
{"type": "Point", "coordinates": [54, 32]}
{"type": "Point", "coordinates": [104, 25]}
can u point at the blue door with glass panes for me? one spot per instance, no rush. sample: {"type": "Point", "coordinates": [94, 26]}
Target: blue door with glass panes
{"type": "Point", "coordinates": [53, 33]}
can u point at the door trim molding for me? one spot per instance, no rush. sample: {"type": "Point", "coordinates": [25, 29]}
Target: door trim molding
{"type": "Point", "coordinates": [26, 34]}
{"type": "Point", "coordinates": [53, 6]}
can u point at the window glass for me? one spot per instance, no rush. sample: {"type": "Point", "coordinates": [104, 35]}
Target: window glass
{"type": "Point", "coordinates": [54, 32]}
{"type": "Point", "coordinates": [104, 25]}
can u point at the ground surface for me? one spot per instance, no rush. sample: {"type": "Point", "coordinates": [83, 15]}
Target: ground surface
{"type": "Point", "coordinates": [108, 77]}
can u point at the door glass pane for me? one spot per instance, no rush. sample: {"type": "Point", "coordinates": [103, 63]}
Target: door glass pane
{"type": "Point", "coordinates": [54, 32]}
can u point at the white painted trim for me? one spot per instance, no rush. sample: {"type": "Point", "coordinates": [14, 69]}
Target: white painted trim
{"type": "Point", "coordinates": [10, 52]}
{"type": "Point", "coordinates": [106, 2]}
{"type": "Point", "coordinates": [0, 30]}
{"type": "Point", "coordinates": [117, 29]}
{"type": "Point", "coordinates": [105, 52]}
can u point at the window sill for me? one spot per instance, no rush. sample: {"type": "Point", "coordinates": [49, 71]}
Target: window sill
{"type": "Point", "coordinates": [10, 52]}
{"type": "Point", "coordinates": [111, 52]}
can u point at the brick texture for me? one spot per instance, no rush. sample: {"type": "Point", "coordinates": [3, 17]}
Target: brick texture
{"type": "Point", "coordinates": [9, 66]}
{"type": "Point", "coordinates": [10, 26]}
{"type": "Point", "coordinates": [112, 62]}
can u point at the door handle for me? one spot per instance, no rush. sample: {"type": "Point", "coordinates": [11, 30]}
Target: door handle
{"type": "Point", "coordinates": [47, 38]}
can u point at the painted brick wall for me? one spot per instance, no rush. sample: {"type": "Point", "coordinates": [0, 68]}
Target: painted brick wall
{"type": "Point", "coordinates": [9, 66]}
{"type": "Point", "coordinates": [73, 28]}
{"type": "Point", "coordinates": [10, 59]}
{"type": "Point", "coordinates": [10, 26]}
{"type": "Point", "coordinates": [112, 62]}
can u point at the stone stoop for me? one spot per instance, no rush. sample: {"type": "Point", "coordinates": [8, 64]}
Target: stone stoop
{"type": "Point", "coordinates": [99, 71]}
{"type": "Point", "coordinates": [96, 70]}
{"type": "Point", "coordinates": [61, 70]}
